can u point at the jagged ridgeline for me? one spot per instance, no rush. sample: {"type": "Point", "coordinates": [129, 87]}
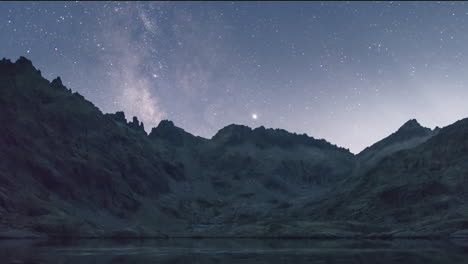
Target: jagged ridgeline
{"type": "Point", "coordinates": [67, 169]}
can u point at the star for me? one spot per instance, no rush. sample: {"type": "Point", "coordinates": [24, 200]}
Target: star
{"type": "Point", "coordinates": [254, 116]}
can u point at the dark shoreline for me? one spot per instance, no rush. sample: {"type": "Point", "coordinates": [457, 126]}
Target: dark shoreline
{"type": "Point", "coordinates": [236, 237]}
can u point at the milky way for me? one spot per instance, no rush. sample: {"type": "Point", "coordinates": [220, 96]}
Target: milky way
{"type": "Point", "coordinates": [351, 73]}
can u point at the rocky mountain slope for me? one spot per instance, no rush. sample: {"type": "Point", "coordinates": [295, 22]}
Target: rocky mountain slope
{"type": "Point", "coordinates": [67, 169]}
{"type": "Point", "coordinates": [421, 191]}
{"type": "Point", "coordinates": [407, 136]}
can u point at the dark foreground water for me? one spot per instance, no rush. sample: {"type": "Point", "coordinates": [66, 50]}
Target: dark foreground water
{"type": "Point", "coordinates": [234, 251]}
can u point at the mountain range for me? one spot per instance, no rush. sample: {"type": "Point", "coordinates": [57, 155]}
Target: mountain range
{"type": "Point", "coordinates": [69, 170]}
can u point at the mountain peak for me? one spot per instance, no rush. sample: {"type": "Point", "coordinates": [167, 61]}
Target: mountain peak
{"type": "Point", "coordinates": [57, 81]}
{"type": "Point", "coordinates": [22, 64]}
{"type": "Point", "coordinates": [166, 124]}
{"type": "Point", "coordinates": [411, 125]}
{"type": "Point", "coordinates": [5, 61]}
{"type": "Point", "coordinates": [411, 128]}
{"type": "Point", "coordinates": [410, 134]}
{"type": "Point", "coordinates": [266, 137]}
{"type": "Point", "coordinates": [118, 116]}
{"type": "Point", "coordinates": [23, 61]}
{"type": "Point", "coordinates": [136, 124]}
{"type": "Point", "coordinates": [177, 136]}
{"type": "Point", "coordinates": [232, 134]}
{"type": "Point", "coordinates": [233, 128]}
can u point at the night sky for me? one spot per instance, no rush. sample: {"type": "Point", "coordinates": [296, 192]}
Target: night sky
{"type": "Point", "coordinates": [349, 72]}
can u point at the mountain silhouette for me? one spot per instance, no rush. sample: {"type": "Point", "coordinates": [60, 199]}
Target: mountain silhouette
{"type": "Point", "coordinates": [68, 170]}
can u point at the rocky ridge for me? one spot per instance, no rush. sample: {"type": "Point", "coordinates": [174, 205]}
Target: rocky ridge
{"type": "Point", "coordinates": [67, 169]}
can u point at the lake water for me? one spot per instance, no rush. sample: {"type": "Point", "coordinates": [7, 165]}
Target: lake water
{"type": "Point", "coordinates": [234, 251]}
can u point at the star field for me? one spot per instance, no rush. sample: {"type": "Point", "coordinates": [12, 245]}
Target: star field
{"type": "Point", "coordinates": [349, 72]}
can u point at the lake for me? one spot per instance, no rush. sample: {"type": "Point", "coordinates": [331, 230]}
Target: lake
{"type": "Point", "coordinates": [228, 251]}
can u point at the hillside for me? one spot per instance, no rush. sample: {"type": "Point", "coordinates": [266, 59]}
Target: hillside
{"type": "Point", "coordinates": [67, 169]}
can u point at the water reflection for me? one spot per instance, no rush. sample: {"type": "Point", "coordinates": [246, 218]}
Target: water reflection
{"type": "Point", "coordinates": [242, 251]}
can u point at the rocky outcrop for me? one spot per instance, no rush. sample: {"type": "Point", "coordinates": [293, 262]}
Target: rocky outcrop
{"type": "Point", "coordinates": [176, 136]}
{"type": "Point", "coordinates": [407, 136]}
